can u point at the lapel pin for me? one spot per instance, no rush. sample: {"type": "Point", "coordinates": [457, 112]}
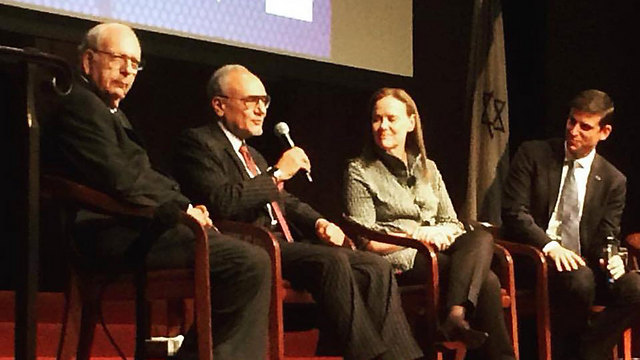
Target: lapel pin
{"type": "Point", "coordinates": [598, 177]}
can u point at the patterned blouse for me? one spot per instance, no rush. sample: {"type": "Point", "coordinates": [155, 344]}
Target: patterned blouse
{"type": "Point", "coordinates": [384, 194]}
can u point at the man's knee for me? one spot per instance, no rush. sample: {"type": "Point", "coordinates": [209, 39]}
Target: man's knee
{"type": "Point", "coordinates": [627, 288]}
{"type": "Point", "coordinates": [256, 267]}
{"type": "Point", "coordinates": [338, 263]}
{"type": "Point", "coordinates": [578, 285]}
{"type": "Point", "coordinates": [240, 263]}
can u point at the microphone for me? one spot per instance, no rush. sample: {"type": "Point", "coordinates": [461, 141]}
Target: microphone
{"type": "Point", "coordinates": [282, 129]}
{"type": "Point", "coordinates": [411, 180]}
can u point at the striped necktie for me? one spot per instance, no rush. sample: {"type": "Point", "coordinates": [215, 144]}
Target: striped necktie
{"type": "Point", "coordinates": [244, 150]}
{"type": "Point", "coordinates": [570, 211]}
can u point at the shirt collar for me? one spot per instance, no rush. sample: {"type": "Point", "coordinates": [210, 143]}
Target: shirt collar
{"type": "Point", "coordinates": [235, 141]}
{"type": "Point", "coordinates": [395, 165]}
{"type": "Point", "coordinates": [585, 161]}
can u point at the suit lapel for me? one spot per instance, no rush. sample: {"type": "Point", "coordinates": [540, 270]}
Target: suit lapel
{"type": "Point", "coordinates": [236, 160]}
{"type": "Point", "coordinates": [554, 176]}
{"type": "Point", "coordinates": [593, 193]}
{"type": "Point", "coordinates": [258, 159]}
{"type": "Point", "coordinates": [219, 137]}
{"type": "Point", "coordinates": [128, 128]}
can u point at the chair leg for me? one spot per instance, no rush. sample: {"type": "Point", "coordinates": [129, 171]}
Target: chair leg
{"type": "Point", "coordinates": [461, 353]}
{"type": "Point", "coordinates": [90, 313]}
{"type": "Point", "coordinates": [70, 331]}
{"type": "Point", "coordinates": [626, 346]}
{"type": "Point", "coordinates": [626, 343]}
{"type": "Point", "coordinates": [87, 330]}
{"type": "Point", "coordinates": [142, 314]}
{"type": "Point", "coordinates": [81, 316]}
{"type": "Point", "coordinates": [459, 350]}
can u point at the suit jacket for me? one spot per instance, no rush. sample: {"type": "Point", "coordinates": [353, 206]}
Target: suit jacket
{"type": "Point", "coordinates": [211, 173]}
{"type": "Point", "coordinates": [532, 188]}
{"type": "Point", "coordinates": [88, 142]}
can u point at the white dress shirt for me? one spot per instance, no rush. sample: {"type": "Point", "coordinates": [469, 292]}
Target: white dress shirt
{"type": "Point", "coordinates": [236, 143]}
{"type": "Point", "coordinates": [582, 168]}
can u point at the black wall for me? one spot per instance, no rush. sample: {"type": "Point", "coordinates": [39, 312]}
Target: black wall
{"type": "Point", "coordinates": [557, 48]}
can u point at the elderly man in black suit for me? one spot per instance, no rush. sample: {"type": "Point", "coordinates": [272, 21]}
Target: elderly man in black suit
{"type": "Point", "coordinates": [90, 140]}
{"type": "Point", "coordinates": [565, 199]}
{"type": "Point", "coordinates": [361, 312]}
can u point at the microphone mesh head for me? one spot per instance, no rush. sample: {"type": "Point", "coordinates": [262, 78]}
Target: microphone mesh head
{"type": "Point", "coordinates": [281, 128]}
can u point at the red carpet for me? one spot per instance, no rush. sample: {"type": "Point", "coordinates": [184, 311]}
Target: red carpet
{"type": "Point", "coordinates": [119, 318]}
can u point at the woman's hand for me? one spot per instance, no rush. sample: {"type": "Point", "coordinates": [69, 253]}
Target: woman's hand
{"type": "Point", "coordinates": [437, 236]}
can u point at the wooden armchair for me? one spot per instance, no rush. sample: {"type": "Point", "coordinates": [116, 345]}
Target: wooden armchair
{"type": "Point", "coordinates": [533, 295]}
{"type": "Point", "coordinates": [86, 291]}
{"type": "Point", "coordinates": [281, 291]}
{"type": "Point", "coordinates": [633, 245]}
{"type": "Point", "coordinates": [421, 302]}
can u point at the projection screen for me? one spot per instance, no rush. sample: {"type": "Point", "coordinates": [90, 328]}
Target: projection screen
{"type": "Point", "coordinates": [368, 34]}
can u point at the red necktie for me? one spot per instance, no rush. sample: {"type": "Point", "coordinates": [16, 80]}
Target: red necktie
{"type": "Point", "coordinates": [274, 204]}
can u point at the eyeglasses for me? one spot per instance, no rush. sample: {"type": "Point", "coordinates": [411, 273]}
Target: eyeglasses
{"type": "Point", "coordinates": [122, 60]}
{"type": "Point", "coordinates": [251, 101]}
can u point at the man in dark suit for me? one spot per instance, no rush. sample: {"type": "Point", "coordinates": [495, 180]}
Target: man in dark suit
{"type": "Point", "coordinates": [90, 140]}
{"type": "Point", "coordinates": [565, 199]}
{"type": "Point", "coordinates": [361, 315]}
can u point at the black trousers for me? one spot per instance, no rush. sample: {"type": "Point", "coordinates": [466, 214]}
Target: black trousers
{"type": "Point", "coordinates": [577, 335]}
{"type": "Point", "coordinates": [465, 272]}
{"type": "Point", "coordinates": [360, 308]}
{"type": "Point", "coordinates": [240, 281]}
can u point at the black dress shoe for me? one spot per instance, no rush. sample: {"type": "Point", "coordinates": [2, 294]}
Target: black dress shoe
{"type": "Point", "coordinates": [455, 329]}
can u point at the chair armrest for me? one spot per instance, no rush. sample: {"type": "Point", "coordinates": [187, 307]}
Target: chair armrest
{"type": "Point", "coordinates": [503, 267]}
{"type": "Point", "coordinates": [538, 258]}
{"type": "Point", "coordinates": [253, 234]}
{"type": "Point", "coordinates": [68, 191]}
{"type": "Point", "coordinates": [524, 250]}
{"type": "Point", "coordinates": [355, 231]}
{"type": "Point", "coordinates": [633, 240]}
{"type": "Point", "coordinates": [633, 244]}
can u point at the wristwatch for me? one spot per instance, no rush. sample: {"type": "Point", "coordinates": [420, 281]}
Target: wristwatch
{"type": "Point", "coordinates": [275, 173]}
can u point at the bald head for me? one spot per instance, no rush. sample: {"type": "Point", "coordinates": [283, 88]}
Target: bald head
{"type": "Point", "coordinates": [94, 38]}
{"type": "Point", "coordinates": [110, 55]}
{"type": "Point", "coordinates": [239, 100]}
{"type": "Point", "coordinates": [219, 80]}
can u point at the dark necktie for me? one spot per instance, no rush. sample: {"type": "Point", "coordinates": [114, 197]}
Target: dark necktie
{"type": "Point", "coordinates": [244, 150]}
{"type": "Point", "coordinates": [570, 210]}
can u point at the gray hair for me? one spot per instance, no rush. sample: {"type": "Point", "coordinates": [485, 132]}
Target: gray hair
{"type": "Point", "coordinates": [94, 36]}
{"type": "Point", "coordinates": [216, 82]}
